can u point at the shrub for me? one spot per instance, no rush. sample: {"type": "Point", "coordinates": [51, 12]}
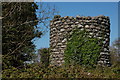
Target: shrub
{"type": "Point", "coordinates": [72, 71]}
{"type": "Point", "coordinates": [44, 56]}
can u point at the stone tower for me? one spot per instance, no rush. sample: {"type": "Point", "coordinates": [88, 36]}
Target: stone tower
{"type": "Point", "coordinates": [60, 26]}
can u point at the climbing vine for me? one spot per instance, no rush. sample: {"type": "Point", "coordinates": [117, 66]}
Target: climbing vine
{"type": "Point", "coordinates": [81, 49]}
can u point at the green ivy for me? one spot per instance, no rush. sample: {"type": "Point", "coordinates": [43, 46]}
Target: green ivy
{"type": "Point", "coordinates": [82, 49]}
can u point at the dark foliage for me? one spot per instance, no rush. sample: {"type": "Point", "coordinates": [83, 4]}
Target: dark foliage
{"type": "Point", "coordinates": [44, 56]}
{"type": "Point", "coordinates": [18, 30]}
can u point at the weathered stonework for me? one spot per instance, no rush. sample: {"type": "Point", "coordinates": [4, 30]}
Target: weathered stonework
{"type": "Point", "coordinates": [98, 26]}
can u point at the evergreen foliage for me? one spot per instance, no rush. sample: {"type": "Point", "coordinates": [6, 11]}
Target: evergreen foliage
{"type": "Point", "coordinates": [21, 25]}
{"type": "Point", "coordinates": [44, 56]}
{"type": "Point", "coordinates": [18, 30]}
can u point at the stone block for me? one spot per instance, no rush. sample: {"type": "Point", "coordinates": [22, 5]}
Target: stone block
{"type": "Point", "coordinates": [59, 44]}
{"type": "Point", "coordinates": [64, 40]}
{"type": "Point", "coordinates": [103, 53]}
{"type": "Point", "coordinates": [77, 22]}
{"type": "Point", "coordinates": [67, 26]}
{"type": "Point", "coordinates": [62, 30]}
{"type": "Point", "coordinates": [80, 26]}
{"type": "Point", "coordinates": [87, 26]}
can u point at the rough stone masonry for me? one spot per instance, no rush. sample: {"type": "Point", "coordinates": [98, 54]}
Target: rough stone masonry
{"type": "Point", "coordinates": [98, 27]}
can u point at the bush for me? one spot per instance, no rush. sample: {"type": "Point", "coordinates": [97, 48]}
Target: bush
{"type": "Point", "coordinates": [44, 56]}
{"type": "Point", "coordinates": [71, 71]}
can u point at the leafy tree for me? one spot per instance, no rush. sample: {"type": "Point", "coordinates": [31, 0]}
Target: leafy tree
{"type": "Point", "coordinates": [81, 49]}
{"type": "Point", "coordinates": [44, 56]}
{"type": "Point", "coordinates": [115, 52]}
{"type": "Point", "coordinates": [19, 28]}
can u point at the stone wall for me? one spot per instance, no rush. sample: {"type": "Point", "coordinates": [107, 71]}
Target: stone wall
{"type": "Point", "coordinates": [98, 26]}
